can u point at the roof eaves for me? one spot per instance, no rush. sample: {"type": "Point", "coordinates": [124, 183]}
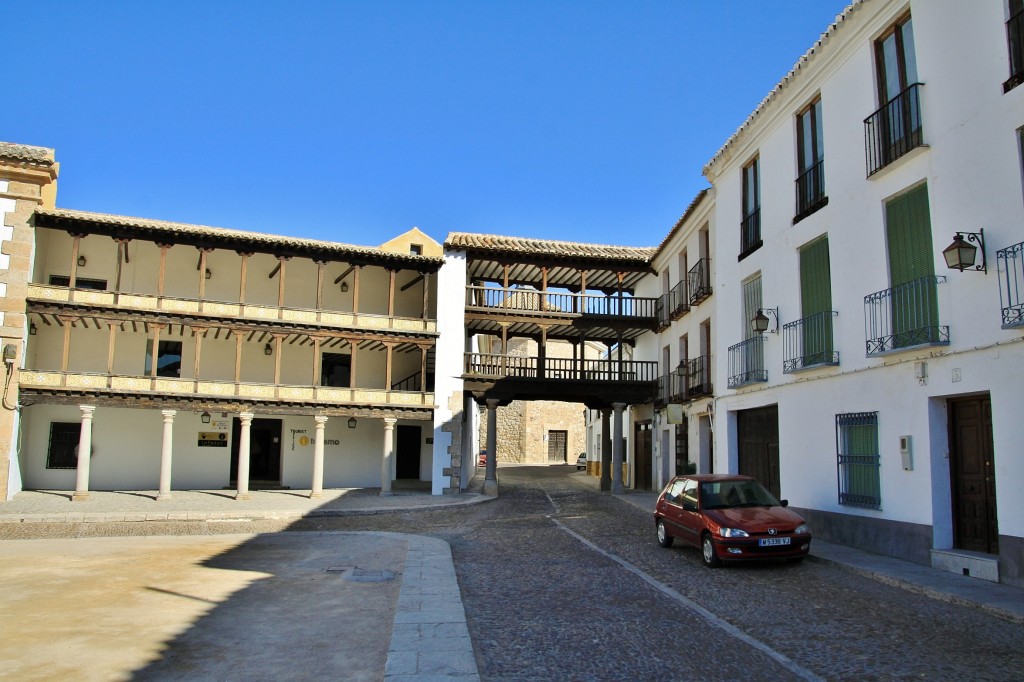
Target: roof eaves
{"type": "Point", "coordinates": [781, 85]}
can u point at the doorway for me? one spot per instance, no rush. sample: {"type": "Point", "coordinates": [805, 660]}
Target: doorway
{"type": "Point", "coordinates": [407, 452]}
{"type": "Point", "coordinates": [557, 447]}
{"type": "Point", "coordinates": [264, 451]}
{"type": "Point", "coordinates": [972, 473]}
{"type": "Point", "coordinates": [642, 454]}
{"type": "Point", "coordinates": [757, 436]}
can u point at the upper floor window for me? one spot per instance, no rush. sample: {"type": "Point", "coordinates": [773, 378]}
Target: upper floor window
{"type": "Point", "coordinates": [416, 249]}
{"type": "Point", "coordinates": [895, 128]}
{"type": "Point", "coordinates": [750, 231]}
{"type": "Point", "coordinates": [1015, 40]}
{"type": "Point", "coordinates": [810, 150]}
{"type": "Point", "coordinates": [168, 362]}
{"type": "Point", "coordinates": [80, 282]}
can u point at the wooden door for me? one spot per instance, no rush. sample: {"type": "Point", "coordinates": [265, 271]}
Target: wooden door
{"type": "Point", "coordinates": [557, 443]}
{"type": "Point", "coordinates": [972, 470]}
{"type": "Point", "coordinates": [757, 433]}
{"type": "Point", "coordinates": [642, 455]}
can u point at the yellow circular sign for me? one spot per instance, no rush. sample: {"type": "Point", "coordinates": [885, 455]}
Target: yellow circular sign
{"type": "Point", "coordinates": [303, 441]}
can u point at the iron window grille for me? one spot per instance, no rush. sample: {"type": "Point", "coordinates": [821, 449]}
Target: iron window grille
{"type": "Point", "coordinates": [858, 460]}
{"type": "Point", "coordinates": [1010, 262]}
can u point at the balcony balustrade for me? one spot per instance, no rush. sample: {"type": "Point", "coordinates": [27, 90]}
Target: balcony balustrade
{"type": "Point", "coordinates": [750, 233]}
{"type": "Point", "coordinates": [1010, 262]}
{"type": "Point", "coordinates": [208, 390]}
{"type": "Point", "coordinates": [219, 309]}
{"type": "Point", "coordinates": [810, 190]}
{"type": "Point", "coordinates": [808, 342]}
{"type": "Point", "coordinates": [1015, 41]}
{"type": "Point", "coordinates": [894, 130]}
{"type": "Point", "coordinates": [904, 316]}
{"type": "Point", "coordinates": [698, 281]}
{"type": "Point", "coordinates": [484, 365]}
{"type": "Point", "coordinates": [746, 362]}
{"type": "Point", "coordinates": [690, 380]}
{"type": "Point", "coordinates": [533, 301]}
{"type": "Point", "coordinates": [678, 301]}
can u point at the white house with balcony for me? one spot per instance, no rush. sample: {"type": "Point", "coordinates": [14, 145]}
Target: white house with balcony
{"type": "Point", "coordinates": [874, 386]}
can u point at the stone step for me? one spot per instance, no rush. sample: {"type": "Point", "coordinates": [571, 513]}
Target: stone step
{"type": "Point", "coordinates": [972, 564]}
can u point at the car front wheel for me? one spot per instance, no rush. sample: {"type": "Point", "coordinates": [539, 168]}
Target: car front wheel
{"type": "Point", "coordinates": [707, 552]}
{"type": "Point", "coordinates": [664, 539]}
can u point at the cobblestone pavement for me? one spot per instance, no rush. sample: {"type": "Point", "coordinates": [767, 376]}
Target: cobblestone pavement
{"type": "Point", "coordinates": [542, 604]}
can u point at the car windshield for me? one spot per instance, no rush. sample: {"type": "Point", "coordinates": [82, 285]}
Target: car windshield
{"type": "Point", "coordinates": [724, 494]}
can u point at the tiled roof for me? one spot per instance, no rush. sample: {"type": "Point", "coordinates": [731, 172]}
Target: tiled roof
{"type": "Point", "coordinates": [495, 244]}
{"type": "Point", "coordinates": [153, 229]}
{"type": "Point", "coordinates": [24, 152]}
{"type": "Point", "coordinates": [793, 73]}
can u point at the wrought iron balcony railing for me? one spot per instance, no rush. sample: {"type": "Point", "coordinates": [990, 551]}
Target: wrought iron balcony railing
{"type": "Point", "coordinates": [678, 301]}
{"type": "Point", "coordinates": [750, 232]}
{"type": "Point", "coordinates": [534, 367]}
{"type": "Point", "coordinates": [560, 303]}
{"type": "Point", "coordinates": [1010, 263]}
{"type": "Point", "coordinates": [904, 316]}
{"type": "Point", "coordinates": [810, 190]}
{"type": "Point", "coordinates": [893, 130]}
{"type": "Point", "coordinates": [696, 377]}
{"type": "Point", "coordinates": [808, 342]}
{"type": "Point", "coordinates": [1015, 39]}
{"type": "Point", "coordinates": [746, 362]}
{"type": "Point", "coordinates": [698, 281]}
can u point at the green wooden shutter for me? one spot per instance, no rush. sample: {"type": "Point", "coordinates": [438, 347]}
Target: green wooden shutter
{"type": "Point", "coordinates": [915, 308]}
{"type": "Point", "coordinates": [816, 303]}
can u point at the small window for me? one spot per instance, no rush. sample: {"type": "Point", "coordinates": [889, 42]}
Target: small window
{"type": "Point", "coordinates": [1015, 42]}
{"type": "Point", "coordinates": [63, 450]}
{"type": "Point", "coordinates": [810, 150]}
{"type": "Point", "coordinates": [750, 228]}
{"type": "Point", "coordinates": [858, 459]}
{"type": "Point", "coordinates": [416, 249]}
{"type": "Point", "coordinates": [168, 362]}
{"type": "Point", "coordinates": [80, 282]}
{"type": "Point", "coordinates": [335, 369]}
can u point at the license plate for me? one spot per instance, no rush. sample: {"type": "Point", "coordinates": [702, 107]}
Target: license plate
{"type": "Point", "coordinates": [772, 542]}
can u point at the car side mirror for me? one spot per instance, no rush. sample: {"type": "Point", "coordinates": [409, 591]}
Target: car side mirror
{"type": "Point", "coordinates": [784, 503]}
{"type": "Point", "coordinates": [689, 506]}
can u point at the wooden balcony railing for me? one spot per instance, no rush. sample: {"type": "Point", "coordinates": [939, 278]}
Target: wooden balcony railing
{"type": "Point", "coordinates": [219, 309]}
{"type": "Point", "coordinates": [531, 367]}
{"type": "Point", "coordinates": [560, 303]}
{"type": "Point", "coordinates": [217, 390]}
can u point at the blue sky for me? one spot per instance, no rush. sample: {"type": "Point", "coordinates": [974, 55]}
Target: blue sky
{"type": "Point", "coordinates": [354, 121]}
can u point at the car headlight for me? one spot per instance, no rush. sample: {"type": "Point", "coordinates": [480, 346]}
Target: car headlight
{"type": "Point", "coordinates": [733, 533]}
{"type": "Point", "coordinates": [802, 529]}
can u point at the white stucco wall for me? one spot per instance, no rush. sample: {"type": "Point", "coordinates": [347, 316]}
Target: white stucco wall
{"type": "Point", "coordinates": [972, 166]}
{"type": "Point", "coordinates": [448, 384]}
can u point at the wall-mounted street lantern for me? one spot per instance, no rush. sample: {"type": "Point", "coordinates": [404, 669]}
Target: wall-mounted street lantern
{"type": "Point", "coordinates": [962, 253]}
{"type": "Point", "coordinates": [81, 261]}
{"type": "Point", "coordinates": [205, 417]}
{"type": "Point", "coordinates": [268, 350]}
{"type": "Point", "coordinates": [351, 422]}
{"type": "Point", "coordinates": [759, 324]}
{"type": "Point", "coordinates": [32, 329]}
{"type": "Point", "coordinates": [208, 274]}
{"type": "Point", "coordinates": [344, 287]}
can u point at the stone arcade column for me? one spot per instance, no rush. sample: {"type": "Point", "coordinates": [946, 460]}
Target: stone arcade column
{"type": "Point", "coordinates": [491, 474]}
{"type": "Point", "coordinates": [606, 450]}
{"type": "Point", "coordinates": [617, 487]}
{"type": "Point", "coordinates": [317, 488]}
{"type": "Point", "coordinates": [388, 456]}
{"type": "Point", "coordinates": [84, 453]}
{"type": "Point", "coordinates": [243, 456]}
{"type": "Point", "coordinates": [165, 456]}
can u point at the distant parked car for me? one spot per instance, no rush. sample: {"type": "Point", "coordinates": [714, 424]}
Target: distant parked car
{"type": "Point", "coordinates": [581, 461]}
{"type": "Point", "coordinates": [730, 518]}
{"type": "Point", "coordinates": [481, 460]}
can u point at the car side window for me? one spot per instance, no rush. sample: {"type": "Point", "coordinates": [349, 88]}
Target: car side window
{"type": "Point", "coordinates": [690, 492]}
{"type": "Point", "coordinates": [673, 492]}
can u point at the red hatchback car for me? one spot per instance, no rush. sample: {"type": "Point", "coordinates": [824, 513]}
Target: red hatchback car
{"type": "Point", "coordinates": [730, 518]}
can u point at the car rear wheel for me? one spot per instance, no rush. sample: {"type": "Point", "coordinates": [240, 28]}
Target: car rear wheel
{"type": "Point", "coordinates": [664, 539]}
{"type": "Point", "coordinates": [707, 552]}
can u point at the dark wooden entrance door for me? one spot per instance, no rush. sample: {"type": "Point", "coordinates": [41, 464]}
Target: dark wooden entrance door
{"type": "Point", "coordinates": [972, 470]}
{"type": "Point", "coordinates": [757, 433]}
{"type": "Point", "coordinates": [264, 451]}
{"type": "Point", "coordinates": [407, 450]}
{"type": "Point", "coordinates": [557, 447]}
{"type": "Point", "coordinates": [642, 455]}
